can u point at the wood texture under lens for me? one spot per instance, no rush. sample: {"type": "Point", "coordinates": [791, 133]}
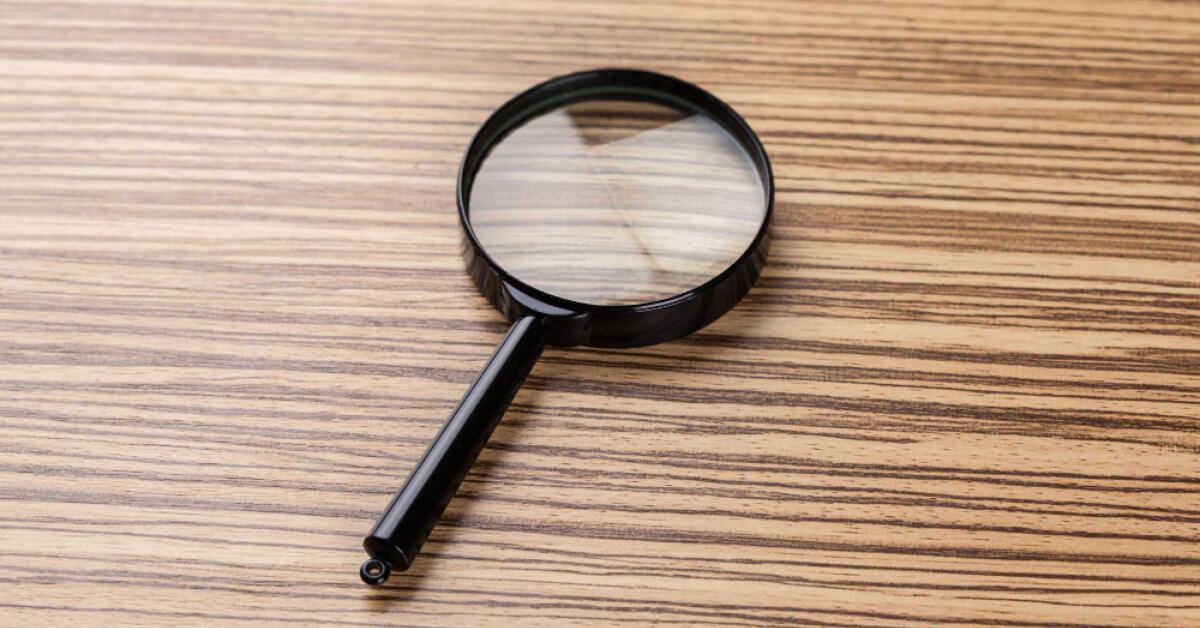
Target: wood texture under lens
{"type": "Point", "coordinates": [617, 202]}
{"type": "Point", "coordinates": [966, 391]}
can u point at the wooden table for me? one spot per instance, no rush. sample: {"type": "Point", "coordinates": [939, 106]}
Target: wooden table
{"type": "Point", "coordinates": [233, 313]}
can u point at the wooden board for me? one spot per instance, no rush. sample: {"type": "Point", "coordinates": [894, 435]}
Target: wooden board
{"type": "Point", "coordinates": [233, 313]}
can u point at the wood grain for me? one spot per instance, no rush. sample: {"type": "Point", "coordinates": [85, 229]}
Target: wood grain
{"type": "Point", "coordinates": [233, 313]}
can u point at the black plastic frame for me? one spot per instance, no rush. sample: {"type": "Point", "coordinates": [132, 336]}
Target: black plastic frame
{"type": "Point", "coordinates": [637, 325]}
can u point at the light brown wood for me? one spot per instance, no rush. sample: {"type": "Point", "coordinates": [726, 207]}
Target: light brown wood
{"type": "Point", "coordinates": [233, 313]}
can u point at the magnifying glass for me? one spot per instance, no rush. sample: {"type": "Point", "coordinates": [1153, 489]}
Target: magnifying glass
{"type": "Point", "coordinates": [608, 208]}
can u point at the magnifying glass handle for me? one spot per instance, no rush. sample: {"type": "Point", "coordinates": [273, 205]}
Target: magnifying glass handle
{"type": "Point", "coordinates": [398, 535]}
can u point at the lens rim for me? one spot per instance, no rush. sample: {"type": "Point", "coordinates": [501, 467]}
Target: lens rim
{"type": "Point", "coordinates": [624, 325]}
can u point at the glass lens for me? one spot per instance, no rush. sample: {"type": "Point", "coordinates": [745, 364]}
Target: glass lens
{"type": "Point", "coordinates": [616, 202]}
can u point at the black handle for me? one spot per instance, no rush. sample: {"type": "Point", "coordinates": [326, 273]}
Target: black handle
{"type": "Point", "coordinates": [398, 535]}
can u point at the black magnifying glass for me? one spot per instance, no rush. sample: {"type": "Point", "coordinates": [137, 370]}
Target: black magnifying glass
{"type": "Point", "coordinates": [608, 208]}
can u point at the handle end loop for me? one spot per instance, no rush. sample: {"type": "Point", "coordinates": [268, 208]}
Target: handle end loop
{"type": "Point", "coordinates": [375, 571]}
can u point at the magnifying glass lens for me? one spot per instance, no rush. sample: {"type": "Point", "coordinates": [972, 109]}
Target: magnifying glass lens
{"type": "Point", "coordinates": [613, 201]}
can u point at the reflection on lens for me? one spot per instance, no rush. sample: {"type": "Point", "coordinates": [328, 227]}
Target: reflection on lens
{"type": "Point", "coordinates": [615, 202]}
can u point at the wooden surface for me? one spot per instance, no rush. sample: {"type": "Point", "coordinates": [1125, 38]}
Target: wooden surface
{"type": "Point", "coordinates": [233, 313]}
